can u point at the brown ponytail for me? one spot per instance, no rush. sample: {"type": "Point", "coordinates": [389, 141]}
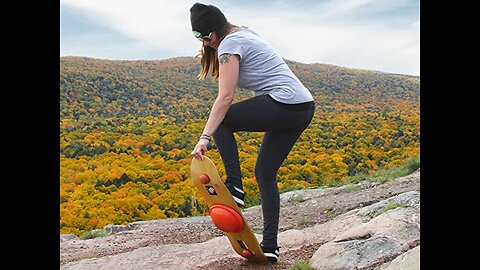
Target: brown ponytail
{"type": "Point", "coordinates": [209, 56]}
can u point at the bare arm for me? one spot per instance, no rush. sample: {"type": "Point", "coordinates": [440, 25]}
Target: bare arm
{"type": "Point", "coordinates": [227, 83]}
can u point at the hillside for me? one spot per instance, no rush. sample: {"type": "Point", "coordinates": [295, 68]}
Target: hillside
{"type": "Point", "coordinates": [368, 225]}
{"type": "Point", "coordinates": [168, 88]}
{"type": "Point", "coordinates": [128, 127]}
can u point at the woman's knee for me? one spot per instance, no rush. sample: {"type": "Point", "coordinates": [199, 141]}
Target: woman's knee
{"type": "Point", "coordinates": [263, 175]}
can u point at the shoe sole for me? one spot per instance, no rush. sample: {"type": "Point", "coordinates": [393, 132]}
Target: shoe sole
{"type": "Point", "coordinates": [238, 201]}
{"type": "Point", "coordinates": [271, 257]}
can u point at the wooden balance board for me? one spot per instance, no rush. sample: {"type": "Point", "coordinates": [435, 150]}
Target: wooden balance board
{"type": "Point", "coordinates": [224, 211]}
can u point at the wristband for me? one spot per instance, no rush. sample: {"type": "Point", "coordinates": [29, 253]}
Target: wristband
{"type": "Point", "coordinates": [206, 137]}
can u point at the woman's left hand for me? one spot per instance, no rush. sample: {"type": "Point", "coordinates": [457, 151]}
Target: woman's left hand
{"type": "Point", "coordinates": [200, 149]}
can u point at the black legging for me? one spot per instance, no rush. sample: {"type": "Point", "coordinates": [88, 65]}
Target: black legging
{"type": "Point", "coordinates": [282, 124]}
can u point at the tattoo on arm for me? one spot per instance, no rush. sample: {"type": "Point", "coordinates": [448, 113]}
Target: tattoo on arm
{"type": "Point", "coordinates": [224, 58]}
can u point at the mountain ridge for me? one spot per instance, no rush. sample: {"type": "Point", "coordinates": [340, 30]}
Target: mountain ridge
{"type": "Point", "coordinates": [188, 58]}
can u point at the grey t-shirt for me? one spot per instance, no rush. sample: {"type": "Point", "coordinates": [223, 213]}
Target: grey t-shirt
{"type": "Point", "coordinates": [262, 69]}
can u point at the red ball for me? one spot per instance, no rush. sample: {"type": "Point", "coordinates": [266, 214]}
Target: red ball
{"type": "Point", "coordinates": [225, 218]}
{"type": "Point", "coordinates": [204, 179]}
{"type": "Point", "coordinates": [246, 253]}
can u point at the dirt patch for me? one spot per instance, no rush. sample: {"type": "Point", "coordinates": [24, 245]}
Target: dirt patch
{"type": "Point", "coordinates": [287, 259]}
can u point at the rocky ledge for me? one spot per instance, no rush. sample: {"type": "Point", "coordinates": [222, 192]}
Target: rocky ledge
{"type": "Point", "coordinates": [359, 226]}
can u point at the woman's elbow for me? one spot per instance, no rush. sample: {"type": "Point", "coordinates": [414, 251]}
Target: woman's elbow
{"type": "Point", "coordinates": [227, 100]}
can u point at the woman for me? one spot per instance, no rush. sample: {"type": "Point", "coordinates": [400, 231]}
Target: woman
{"type": "Point", "coordinates": [282, 108]}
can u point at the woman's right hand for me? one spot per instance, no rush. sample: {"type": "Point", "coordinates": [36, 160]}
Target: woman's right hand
{"type": "Point", "coordinates": [200, 149]}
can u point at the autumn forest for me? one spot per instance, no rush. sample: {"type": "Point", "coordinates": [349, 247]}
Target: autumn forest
{"type": "Point", "coordinates": [128, 127]}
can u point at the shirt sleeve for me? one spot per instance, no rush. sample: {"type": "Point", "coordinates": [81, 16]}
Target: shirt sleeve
{"type": "Point", "coordinates": [230, 45]}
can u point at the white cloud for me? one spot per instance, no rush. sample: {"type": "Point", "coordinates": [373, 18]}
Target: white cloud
{"type": "Point", "coordinates": [155, 24]}
{"type": "Point", "coordinates": [340, 32]}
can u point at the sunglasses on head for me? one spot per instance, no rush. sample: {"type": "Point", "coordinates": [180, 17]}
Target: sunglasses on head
{"type": "Point", "coordinates": [202, 38]}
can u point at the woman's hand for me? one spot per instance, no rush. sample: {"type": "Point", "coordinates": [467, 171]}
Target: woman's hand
{"type": "Point", "coordinates": [200, 149]}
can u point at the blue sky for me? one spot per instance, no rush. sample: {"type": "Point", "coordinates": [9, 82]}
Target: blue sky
{"type": "Point", "coordinates": [379, 35]}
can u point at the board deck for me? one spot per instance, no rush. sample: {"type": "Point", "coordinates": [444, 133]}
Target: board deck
{"type": "Point", "coordinates": [216, 193]}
